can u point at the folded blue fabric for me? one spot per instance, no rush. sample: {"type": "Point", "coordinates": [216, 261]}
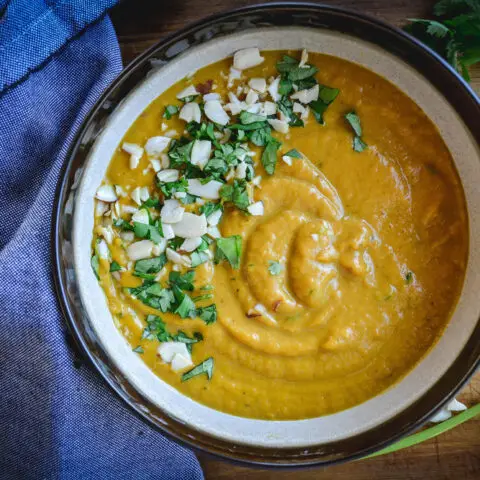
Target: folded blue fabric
{"type": "Point", "coordinates": [56, 421]}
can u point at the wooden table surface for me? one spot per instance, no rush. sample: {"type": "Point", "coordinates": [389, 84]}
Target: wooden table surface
{"type": "Point", "coordinates": [455, 455]}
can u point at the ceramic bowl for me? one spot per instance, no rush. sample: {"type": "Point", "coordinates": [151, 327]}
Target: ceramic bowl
{"type": "Point", "coordinates": [349, 434]}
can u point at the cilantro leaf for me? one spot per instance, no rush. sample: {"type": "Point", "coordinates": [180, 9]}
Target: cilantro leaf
{"type": "Point", "coordinates": [250, 126]}
{"type": "Point", "coordinates": [286, 64]}
{"type": "Point", "coordinates": [210, 207]}
{"type": "Point", "coordinates": [123, 225]}
{"type": "Point", "coordinates": [236, 194]}
{"type": "Point", "coordinates": [95, 263]}
{"type": "Point", "coordinates": [285, 86]}
{"type": "Point", "coordinates": [148, 267]}
{"type": "Point", "coordinates": [285, 105]}
{"type": "Point", "coordinates": [185, 306]}
{"type": "Point", "coordinates": [156, 328]}
{"type": "Point", "coordinates": [300, 73]}
{"type": "Point", "coordinates": [198, 258]}
{"type": "Point", "coordinates": [294, 153]}
{"type": "Point", "coordinates": [261, 136]}
{"type": "Point", "coordinates": [184, 282]}
{"type": "Point", "coordinates": [248, 118]}
{"type": "Point", "coordinates": [230, 249]}
{"type": "Point", "coordinates": [358, 144]}
{"type": "Point", "coordinates": [150, 232]}
{"type": "Point", "coordinates": [153, 295]}
{"type": "Point", "coordinates": [181, 336]}
{"type": "Point", "coordinates": [269, 155]}
{"type": "Point", "coordinates": [138, 349]}
{"type": "Point", "coordinates": [115, 267]}
{"type": "Point", "coordinates": [208, 314]}
{"type": "Point", "coordinates": [354, 121]}
{"type": "Point", "coordinates": [170, 110]}
{"type": "Point", "coordinates": [205, 367]}
{"type": "Point", "coordinates": [274, 267]}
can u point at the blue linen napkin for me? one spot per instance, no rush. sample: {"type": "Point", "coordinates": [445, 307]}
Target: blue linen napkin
{"type": "Point", "coordinates": [56, 421]}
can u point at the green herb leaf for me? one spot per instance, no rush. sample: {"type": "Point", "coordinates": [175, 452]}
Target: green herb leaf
{"type": "Point", "coordinates": [205, 367]}
{"type": "Point", "coordinates": [210, 207]}
{"type": "Point", "coordinates": [153, 295]}
{"type": "Point", "coordinates": [198, 258]}
{"type": "Point", "coordinates": [300, 73]}
{"type": "Point", "coordinates": [138, 349]}
{"type": "Point", "coordinates": [250, 126]}
{"type": "Point", "coordinates": [149, 266]}
{"type": "Point", "coordinates": [115, 267]}
{"type": "Point", "coordinates": [156, 328]}
{"type": "Point", "coordinates": [285, 86]}
{"type": "Point", "coordinates": [230, 249]}
{"type": "Point", "coordinates": [188, 341]}
{"type": "Point", "coordinates": [274, 267]}
{"type": "Point", "coordinates": [434, 28]}
{"type": "Point", "coordinates": [123, 225]}
{"type": "Point", "coordinates": [286, 64]}
{"type": "Point", "coordinates": [261, 136]}
{"type": "Point", "coordinates": [185, 306]}
{"type": "Point", "coordinates": [236, 193]}
{"type": "Point", "coordinates": [184, 282]}
{"type": "Point", "coordinates": [409, 278]}
{"type": "Point", "coordinates": [328, 94]}
{"type": "Point", "coordinates": [294, 153]}
{"type": "Point", "coordinates": [208, 314]}
{"type": "Point", "coordinates": [285, 105]}
{"type": "Point", "coordinates": [248, 118]}
{"type": "Point", "coordinates": [95, 263]}
{"type": "Point", "coordinates": [150, 232]}
{"type": "Point", "coordinates": [358, 144]}
{"type": "Point", "coordinates": [269, 155]}
{"type": "Point", "coordinates": [170, 110]}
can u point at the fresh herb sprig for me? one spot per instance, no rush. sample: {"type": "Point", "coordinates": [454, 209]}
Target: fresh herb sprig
{"type": "Point", "coordinates": [454, 34]}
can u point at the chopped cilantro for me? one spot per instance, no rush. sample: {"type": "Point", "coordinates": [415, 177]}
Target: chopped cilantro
{"type": "Point", "coordinates": [285, 105]}
{"type": "Point", "coordinates": [248, 118]}
{"type": "Point", "coordinates": [210, 207]}
{"type": "Point", "coordinates": [123, 225]}
{"type": "Point", "coordinates": [269, 155]}
{"type": "Point", "coordinates": [138, 349]}
{"type": "Point", "coordinates": [274, 267]}
{"type": "Point", "coordinates": [150, 232]}
{"type": "Point", "coordinates": [358, 144]}
{"type": "Point", "coordinates": [152, 294]}
{"type": "Point", "coordinates": [180, 152]}
{"type": "Point", "coordinates": [198, 258]}
{"type": "Point", "coordinates": [250, 126]}
{"type": "Point", "coordinates": [294, 153]}
{"type": "Point", "coordinates": [169, 188]}
{"type": "Point", "coordinates": [205, 367]}
{"type": "Point", "coordinates": [94, 262]}
{"type": "Point", "coordinates": [185, 306]}
{"type": "Point", "coordinates": [409, 278]}
{"type": "Point", "coordinates": [148, 267]}
{"type": "Point", "coordinates": [156, 328]}
{"type": "Point", "coordinates": [184, 282]}
{"type": "Point", "coordinates": [285, 86]}
{"type": "Point", "coordinates": [151, 203]}
{"type": "Point", "coordinates": [236, 193]}
{"type": "Point", "coordinates": [170, 110]}
{"type": "Point", "coordinates": [208, 314]}
{"type": "Point", "coordinates": [115, 267]}
{"type": "Point", "coordinates": [230, 249]}
{"type": "Point", "coordinates": [261, 136]}
{"type": "Point", "coordinates": [181, 336]}
{"type": "Point", "coordinates": [354, 121]}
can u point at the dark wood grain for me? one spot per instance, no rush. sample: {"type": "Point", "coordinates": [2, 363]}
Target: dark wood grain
{"type": "Point", "coordinates": [455, 455]}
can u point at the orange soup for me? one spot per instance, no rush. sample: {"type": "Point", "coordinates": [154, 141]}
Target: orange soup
{"type": "Point", "coordinates": [282, 235]}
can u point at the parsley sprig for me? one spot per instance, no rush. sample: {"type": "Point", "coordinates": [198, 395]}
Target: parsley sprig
{"type": "Point", "coordinates": [454, 34]}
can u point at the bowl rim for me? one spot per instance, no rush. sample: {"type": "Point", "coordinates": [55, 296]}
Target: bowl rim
{"type": "Point", "coordinates": [442, 77]}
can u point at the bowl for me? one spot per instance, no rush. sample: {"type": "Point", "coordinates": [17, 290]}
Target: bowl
{"type": "Point", "coordinates": [426, 78]}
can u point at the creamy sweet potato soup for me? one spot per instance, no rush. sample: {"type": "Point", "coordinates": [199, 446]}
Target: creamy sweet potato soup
{"type": "Point", "coordinates": [281, 235]}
